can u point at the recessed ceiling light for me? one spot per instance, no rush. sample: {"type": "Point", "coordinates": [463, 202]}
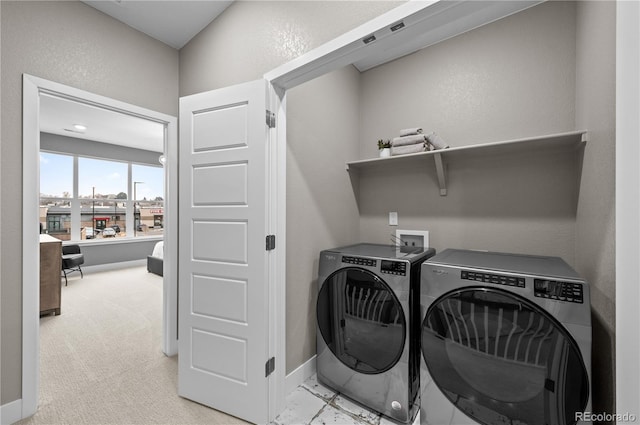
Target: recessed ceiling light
{"type": "Point", "coordinates": [80, 127]}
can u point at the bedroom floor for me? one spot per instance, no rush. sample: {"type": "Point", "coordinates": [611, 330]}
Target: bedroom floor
{"type": "Point", "coordinates": [313, 404]}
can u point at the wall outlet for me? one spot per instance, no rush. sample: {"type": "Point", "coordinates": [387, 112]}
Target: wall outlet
{"type": "Point", "coordinates": [393, 218]}
{"type": "Point", "coordinates": [412, 238]}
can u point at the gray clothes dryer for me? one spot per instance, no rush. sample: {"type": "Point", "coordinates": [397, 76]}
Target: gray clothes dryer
{"type": "Point", "coordinates": [368, 326]}
{"type": "Point", "coordinates": [505, 338]}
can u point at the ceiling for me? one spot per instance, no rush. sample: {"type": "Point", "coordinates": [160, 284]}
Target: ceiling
{"type": "Point", "coordinates": [58, 116]}
{"type": "Point", "coordinates": [173, 22]}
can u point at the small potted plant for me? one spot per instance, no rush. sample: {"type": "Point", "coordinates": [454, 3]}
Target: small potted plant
{"type": "Point", "coordinates": [385, 148]}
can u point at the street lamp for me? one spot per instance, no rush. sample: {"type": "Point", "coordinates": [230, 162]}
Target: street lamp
{"type": "Point", "coordinates": [93, 214]}
{"type": "Point", "coordinates": [135, 226]}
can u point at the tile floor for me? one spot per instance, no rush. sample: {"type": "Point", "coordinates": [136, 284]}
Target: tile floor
{"type": "Point", "coordinates": [314, 404]}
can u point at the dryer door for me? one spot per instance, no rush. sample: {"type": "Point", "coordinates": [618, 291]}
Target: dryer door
{"type": "Point", "coordinates": [361, 320]}
{"type": "Point", "coordinates": [502, 359]}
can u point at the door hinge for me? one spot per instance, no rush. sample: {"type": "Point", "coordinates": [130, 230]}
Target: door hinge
{"type": "Point", "coordinates": [269, 366]}
{"type": "Point", "coordinates": [271, 242]}
{"type": "Point", "coordinates": [271, 119]}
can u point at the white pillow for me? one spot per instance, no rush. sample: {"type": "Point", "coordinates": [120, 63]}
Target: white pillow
{"type": "Point", "coordinates": [158, 250]}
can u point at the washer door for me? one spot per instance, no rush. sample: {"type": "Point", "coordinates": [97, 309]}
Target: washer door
{"type": "Point", "coordinates": [502, 359]}
{"type": "Point", "coordinates": [361, 320]}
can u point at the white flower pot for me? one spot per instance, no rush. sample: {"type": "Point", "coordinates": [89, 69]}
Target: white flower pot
{"type": "Point", "coordinates": [385, 152]}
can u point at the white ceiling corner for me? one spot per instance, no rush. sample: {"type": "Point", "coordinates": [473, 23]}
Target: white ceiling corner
{"type": "Point", "coordinates": [173, 22]}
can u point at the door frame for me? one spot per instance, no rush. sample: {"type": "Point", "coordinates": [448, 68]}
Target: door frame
{"type": "Point", "coordinates": [277, 173]}
{"type": "Point", "coordinates": [627, 207]}
{"type": "Point", "coordinates": [32, 88]}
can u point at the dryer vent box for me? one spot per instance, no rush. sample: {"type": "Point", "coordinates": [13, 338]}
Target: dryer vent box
{"type": "Point", "coordinates": [412, 238]}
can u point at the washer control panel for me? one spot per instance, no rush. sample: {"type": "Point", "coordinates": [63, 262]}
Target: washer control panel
{"type": "Point", "coordinates": [393, 267]}
{"type": "Point", "coordinates": [359, 261]}
{"type": "Point", "coordinates": [499, 279]}
{"type": "Point", "coordinates": [556, 290]}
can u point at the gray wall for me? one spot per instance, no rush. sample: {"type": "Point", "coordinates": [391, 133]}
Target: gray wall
{"type": "Point", "coordinates": [511, 79]}
{"type": "Point", "coordinates": [70, 43]}
{"type": "Point", "coordinates": [322, 127]}
{"type": "Point", "coordinates": [595, 228]}
{"type": "Point", "coordinates": [251, 38]}
{"type": "Point", "coordinates": [321, 208]}
{"type": "Point", "coordinates": [92, 149]}
{"type": "Point", "coordinates": [116, 252]}
{"type": "Point", "coordinates": [549, 69]}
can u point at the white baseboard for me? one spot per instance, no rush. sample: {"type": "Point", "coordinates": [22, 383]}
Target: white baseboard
{"type": "Point", "coordinates": [301, 374]}
{"type": "Point", "coordinates": [11, 412]}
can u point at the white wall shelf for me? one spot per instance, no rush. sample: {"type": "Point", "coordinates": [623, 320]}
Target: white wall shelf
{"type": "Point", "coordinates": [549, 143]}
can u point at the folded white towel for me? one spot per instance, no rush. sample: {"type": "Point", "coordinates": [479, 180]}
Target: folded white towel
{"type": "Point", "coordinates": [436, 141]}
{"type": "Point", "coordinates": [402, 150]}
{"type": "Point", "coordinates": [410, 131]}
{"type": "Point", "coordinates": [408, 140]}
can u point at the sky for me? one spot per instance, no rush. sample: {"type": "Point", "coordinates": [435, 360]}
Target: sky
{"type": "Point", "coordinates": [108, 177]}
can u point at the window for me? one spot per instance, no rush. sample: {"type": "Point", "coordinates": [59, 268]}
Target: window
{"type": "Point", "coordinates": [100, 198]}
{"type": "Point", "coordinates": [56, 223]}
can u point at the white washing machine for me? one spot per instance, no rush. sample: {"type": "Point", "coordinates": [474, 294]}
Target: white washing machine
{"type": "Point", "coordinates": [368, 326]}
{"type": "Point", "coordinates": [505, 339]}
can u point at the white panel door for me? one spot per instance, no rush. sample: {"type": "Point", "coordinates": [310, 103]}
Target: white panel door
{"type": "Point", "coordinates": [223, 268]}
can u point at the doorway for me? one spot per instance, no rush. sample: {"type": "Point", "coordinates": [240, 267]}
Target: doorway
{"type": "Point", "coordinates": [33, 90]}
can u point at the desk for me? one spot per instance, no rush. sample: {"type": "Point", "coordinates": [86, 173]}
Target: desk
{"type": "Point", "coordinates": [50, 267]}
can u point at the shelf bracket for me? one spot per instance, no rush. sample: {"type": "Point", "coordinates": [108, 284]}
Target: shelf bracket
{"type": "Point", "coordinates": [442, 181]}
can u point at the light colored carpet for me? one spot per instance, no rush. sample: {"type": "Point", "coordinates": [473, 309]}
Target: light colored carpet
{"type": "Point", "coordinates": [101, 360]}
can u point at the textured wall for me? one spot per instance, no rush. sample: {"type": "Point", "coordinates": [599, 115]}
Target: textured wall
{"type": "Point", "coordinates": [595, 232]}
{"type": "Point", "coordinates": [321, 207]}
{"type": "Point", "coordinates": [514, 78]}
{"type": "Point", "coordinates": [253, 37]}
{"type": "Point", "coordinates": [250, 39]}
{"type": "Point", "coordinates": [69, 43]}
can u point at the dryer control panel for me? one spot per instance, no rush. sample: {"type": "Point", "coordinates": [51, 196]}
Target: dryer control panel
{"type": "Point", "coordinates": [555, 290]}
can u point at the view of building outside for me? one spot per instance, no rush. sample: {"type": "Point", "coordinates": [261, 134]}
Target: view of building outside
{"type": "Point", "coordinates": [101, 198]}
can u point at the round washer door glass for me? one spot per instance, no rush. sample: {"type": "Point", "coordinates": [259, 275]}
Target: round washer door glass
{"type": "Point", "coordinates": [361, 320]}
{"type": "Point", "coordinates": [502, 359]}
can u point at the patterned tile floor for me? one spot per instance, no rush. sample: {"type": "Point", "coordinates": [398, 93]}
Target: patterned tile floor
{"type": "Point", "coordinates": [314, 404]}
